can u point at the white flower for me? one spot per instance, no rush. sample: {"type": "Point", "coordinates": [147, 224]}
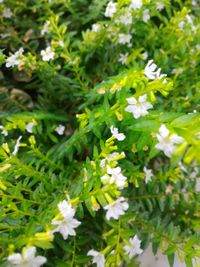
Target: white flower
{"type": "Point", "coordinates": [134, 247]}
{"type": "Point", "coordinates": [45, 28]}
{"type": "Point", "coordinates": [60, 129]}
{"type": "Point", "coordinates": [116, 134]}
{"type": "Point", "coordinates": [126, 19]}
{"type": "Point", "coordinates": [194, 2]}
{"type": "Point", "coordinates": [116, 208]}
{"type": "Point", "coordinates": [159, 6]}
{"type": "Point", "coordinates": [136, 4]}
{"type": "Point", "coordinates": [114, 177]}
{"type": "Point", "coordinates": [151, 72]}
{"type": "Point", "coordinates": [27, 258]}
{"type": "Point", "coordinates": [167, 142]}
{"type": "Point", "coordinates": [148, 174]}
{"type": "Point", "coordinates": [7, 13]}
{"type": "Point", "coordinates": [110, 158]}
{"type": "Point", "coordinates": [124, 38]}
{"type": "Point", "coordinates": [181, 24]}
{"type": "Point", "coordinates": [4, 132]}
{"type": "Point", "coordinates": [111, 9]}
{"type": "Point", "coordinates": [177, 71]}
{"type": "Point", "coordinates": [123, 58]}
{"type": "Point", "coordinates": [14, 59]}
{"type": "Point", "coordinates": [1, 1]}
{"type": "Point", "coordinates": [138, 108]}
{"type": "Point", "coordinates": [61, 43]}
{"type": "Point", "coordinates": [98, 257]}
{"type": "Point", "coordinates": [16, 148]}
{"type": "Point", "coordinates": [146, 15]}
{"type": "Point", "coordinates": [145, 55]}
{"type": "Point", "coordinates": [29, 127]}
{"type": "Point", "coordinates": [96, 27]}
{"type": "Point", "coordinates": [47, 54]}
{"type": "Point", "coordinates": [68, 223]}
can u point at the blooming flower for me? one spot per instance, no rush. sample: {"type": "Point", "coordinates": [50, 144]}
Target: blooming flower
{"type": "Point", "coordinates": [116, 134]}
{"type": "Point", "coordinates": [7, 13]}
{"type": "Point", "coordinates": [27, 258]}
{"type": "Point", "coordinates": [47, 54]}
{"type": "Point", "coordinates": [151, 72]}
{"type": "Point", "coordinates": [145, 55]}
{"type": "Point", "coordinates": [4, 132]}
{"type": "Point", "coordinates": [110, 158]}
{"type": "Point", "coordinates": [123, 58]}
{"type": "Point", "coordinates": [126, 19]}
{"type": "Point", "coordinates": [14, 59]}
{"type": "Point", "coordinates": [98, 257]}
{"type": "Point", "coordinates": [60, 129]}
{"type": "Point", "coordinates": [167, 142]}
{"type": "Point", "coordinates": [16, 148]}
{"type": "Point", "coordinates": [96, 27]}
{"type": "Point", "coordinates": [138, 107]}
{"type": "Point", "coordinates": [159, 6]}
{"type": "Point", "coordinates": [134, 247]}
{"type": "Point", "coordinates": [111, 9]}
{"type": "Point", "coordinates": [124, 38]}
{"type": "Point", "coordinates": [148, 174]}
{"type": "Point", "coordinates": [45, 28]}
{"type": "Point", "coordinates": [29, 127]}
{"type": "Point", "coordinates": [116, 177]}
{"type": "Point", "coordinates": [116, 208]}
{"type": "Point", "coordinates": [68, 223]}
{"type": "Point", "coordinates": [136, 4]}
{"type": "Point", "coordinates": [146, 15]}
{"type": "Point", "coordinates": [61, 43]}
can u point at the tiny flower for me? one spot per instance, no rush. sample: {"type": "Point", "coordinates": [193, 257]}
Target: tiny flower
{"type": "Point", "coordinates": [4, 132]}
{"type": "Point", "coordinates": [96, 27]}
{"type": "Point", "coordinates": [126, 19]}
{"type": "Point", "coordinates": [116, 134]}
{"type": "Point", "coordinates": [123, 58]}
{"type": "Point", "coordinates": [167, 142]}
{"type": "Point", "coordinates": [27, 258]}
{"type": "Point", "coordinates": [14, 59]}
{"type": "Point", "coordinates": [60, 129]}
{"type": "Point", "coordinates": [181, 24]}
{"type": "Point", "coordinates": [111, 158]}
{"type": "Point", "coordinates": [145, 55]}
{"type": "Point", "coordinates": [45, 28]}
{"type": "Point", "coordinates": [111, 9]}
{"type": "Point", "coordinates": [7, 13]}
{"type": "Point", "coordinates": [116, 208]}
{"type": "Point", "coordinates": [67, 225]}
{"type": "Point", "coordinates": [134, 247]}
{"type": "Point", "coordinates": [148, 174]}
{"type": "Point", "coordinates": [114, 177]}
{"type": "Point", "coordinates": [61, 43]}
{"type": "Point", "coordinates": [151, 72]}
{"type": "Point", "coordinates": [136, 4]}
{"type": "Point", "coordinates": [159, 6]}
{"type": "Point", "coordinates": [98, 257]}
{"type": "Point", "coordinates": [177, 71]}
{"type": "Point", "coordinates": [138, 108]}
{"type": "Point", "coordinates": [47, 54]}
{"type": "Point", "coordinates": [124, 38]}
{"type": "Point", "coordinates": [1, 1]}
{"type": "Point", "coordinates": [146, 15]}
{"type": "Point", "coordinates": [16, 148]}
{"type": "Point", "coordinates": [29, 127]}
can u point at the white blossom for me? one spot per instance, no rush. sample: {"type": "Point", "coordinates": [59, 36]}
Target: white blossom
{"type": "Point", "coordinates": [60, 129]}
{"type": "Point", "coordinates": [47, 54]}
{"type": "Point", "coordinates": [124, 38]}
{"type": "Point", "coordinates": [111, 9]}
{"type": "Point", "coordinates": [1, 1]}
{"type": "Point", "coordinates": [110, 158]}
{"type": "Point", "coordinates": [45, 28]}
{"type": "Point", "coordinates": [181, 24]}
{"type": "Point", "coordinates": [116, 208]}
{"type": "Point", "coordinates": [116, 134]}
{"type": "Point", "coordinates": [159, 6]}
{"type": "Point", "coordinates": [194, 2]}
{"type": "Point", "coordinates": [29, 127]}
{"type": "Point", "coordinates": [114, 176]}
{"type": "Point", "coordinates": [67, 225]}
{"type": "Point", "coordinates": [14, 59]}
{"type": "Point", "coordinates": [134, 247]}
{"type": "Point", "coordinates": [27, 258]}
{"type": "Point", "coordinates": [123, 58]}
{"type": "Point", "coordinates": [167, 143]}
{"type": "Point", "coordinates": [136, 4]}
{"type": "Point", "coordinates": [145, 55]}
{"type": "Point", "coordinates": [96, 27]}
{"type": "Point", "coordinates": [146, 15]}
{"type": "Point", "coordinates": [98, 257]}
{"type": "Point", "coordinates": [138, 108]}
{"type": "Point", "coordinates": [148, 174]}
{"type": "Point", "coordinates": [126, 18]}
{"type": "Point", "coordinates": [61, 43]}
{"type": "Point", "coordinates": [7, 13]}
{"type": "Point", "coordinates": [16, 148]}
{"type": "Point", "coordinates": [4, 132]}
{"type": "Point", "coordinates": [151, 72]}
{"type": "Point", "coordinates": [177, 71]}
